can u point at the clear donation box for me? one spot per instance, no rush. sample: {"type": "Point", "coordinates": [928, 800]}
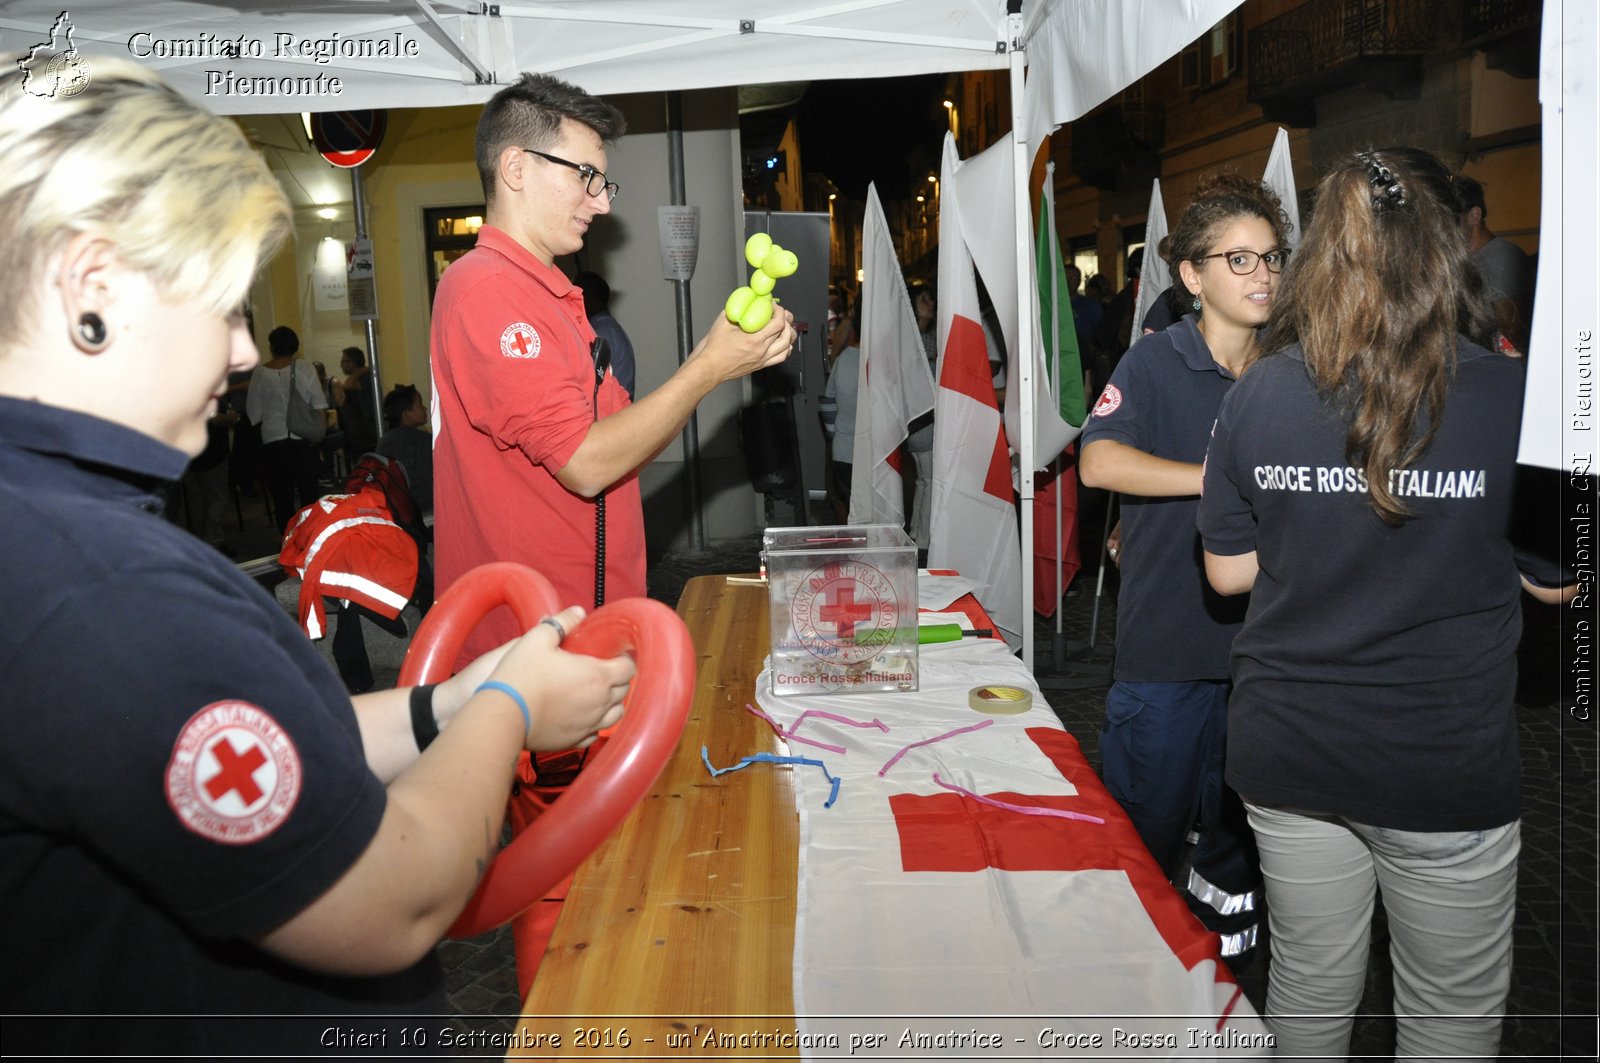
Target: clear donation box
{"type": "Point", "coordinates": [843, 601]}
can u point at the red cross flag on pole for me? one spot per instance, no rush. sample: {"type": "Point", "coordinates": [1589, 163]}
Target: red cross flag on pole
{"type": "Point", "coordinates": [973, 528]}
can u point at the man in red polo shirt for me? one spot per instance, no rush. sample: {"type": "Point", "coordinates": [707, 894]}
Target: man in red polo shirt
{"type": "Point", "coordinates": [535, 443]}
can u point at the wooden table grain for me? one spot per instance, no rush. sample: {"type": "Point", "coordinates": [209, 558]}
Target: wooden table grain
{"type": "Point", "coordinates": [679, 930]}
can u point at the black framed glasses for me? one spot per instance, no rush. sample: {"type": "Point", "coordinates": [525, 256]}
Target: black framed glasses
{"type": "Point", "coordinates": [594, 181]}
{"type": "Point", "coordinates": [1244, 262]}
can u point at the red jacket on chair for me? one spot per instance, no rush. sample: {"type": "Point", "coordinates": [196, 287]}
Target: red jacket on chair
{"type": "Point", "coordinates": [349, 547]}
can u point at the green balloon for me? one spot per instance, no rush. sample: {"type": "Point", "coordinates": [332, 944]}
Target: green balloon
{"type": "Point", "coordinates": [779, 263]}
{"type": "Point", "coordinates": [756, 316]}
{"type": "Point", "coordinates": [738, 303]}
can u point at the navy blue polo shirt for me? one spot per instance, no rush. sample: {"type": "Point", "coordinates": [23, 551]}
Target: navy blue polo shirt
{"type": "Point", "coordinates": [181, 770]}
{"type": "Point", "coordinates": [1163, 399]}
{"type": "Point", "coordinates": [1375, 675]}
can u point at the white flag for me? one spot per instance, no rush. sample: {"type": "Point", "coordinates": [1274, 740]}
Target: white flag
{"type": "Point", "coordinates": [895, 384]}
{"type": "Point", "coordinates": [974, 521]}
{"type": "Point", "coordinates": [1154, 276]}
{"type": "Point", "coordinates": [1558, 403]}
{"type": "Point", "coordinates": [1279, 177]}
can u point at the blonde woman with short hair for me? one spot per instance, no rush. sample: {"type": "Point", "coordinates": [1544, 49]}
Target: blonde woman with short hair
{"type": "Point", "coordinates": [197, 819]}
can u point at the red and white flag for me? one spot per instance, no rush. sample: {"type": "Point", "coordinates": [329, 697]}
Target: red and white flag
{"type": "Point", "coordinates": [895, 384]}
{"type": "Point", "coordinates": [986, 187]}
{"type": "Point", "coordinates": [974, 519]}
{"type": "Point", "coordinates": [925, 914]}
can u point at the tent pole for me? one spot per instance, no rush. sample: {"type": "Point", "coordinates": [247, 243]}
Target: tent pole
{"type": "Point", "coordinates": [1047, 206]}
{"type": "Point", "coordinates": [691, 430]}
{"type": "Point", "coordinates": [358, 204]}
{"type": "Point", "coordinates": [1024, 352]}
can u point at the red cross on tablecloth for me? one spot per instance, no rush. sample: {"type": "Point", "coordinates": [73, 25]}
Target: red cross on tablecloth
{"type": "Point", "coordinates": [949, 832]}
{"type": "Point", "coordinates": [844, 612]}
{"type": "Point", "coordinates": [237, 772]}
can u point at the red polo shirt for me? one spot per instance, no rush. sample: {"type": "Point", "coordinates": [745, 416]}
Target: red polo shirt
{"type": "Point", "coordinates": [513, 397]}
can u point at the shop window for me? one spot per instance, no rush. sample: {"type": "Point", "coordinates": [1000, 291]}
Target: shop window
{"type": "Point", "coordinates": [448, 233]}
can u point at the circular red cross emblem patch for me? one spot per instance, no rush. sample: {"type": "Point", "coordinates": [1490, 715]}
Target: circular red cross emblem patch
{"type": "Point", "coordinates": [234, 775]}
{"type": "Point", "coordinates": [1110, 399]}
{"type": "Point", "coordinates": [520, 340]}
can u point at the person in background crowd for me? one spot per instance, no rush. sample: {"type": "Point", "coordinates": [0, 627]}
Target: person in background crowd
{"type": "Point", "coordinates": [288, 463]}
{"type": "Point", "coordinates": [597, 307]}
{"type": "Point", "coordinates": [838, 411]}
{"type": "Point", "coordinates": [409, 442]}
{"type": "Point", "coordinates": [1506, 268]}
{"type": "Point", "coordinates": [1166, 713]}
{"type": "Point", "coordinates": [919, 441]}
{"type": "Point", "coordinates": [841, 308]}
{"type": "Point", "coordinates": [353, 399]}
{"type": "Point", "coordinates": [1360, 486]}
{"type": "Point", "coordinates": [1086, 311]}
{"type": "Point", "coordinates": [1111, 334]}
{"type": "Point", "coordinates": [254, 844]}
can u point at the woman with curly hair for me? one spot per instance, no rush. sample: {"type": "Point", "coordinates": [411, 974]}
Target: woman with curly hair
{"type": "Point", "coordinates": [1359, 486]}
{"type": "Point", "coordinates": [1162, 745]}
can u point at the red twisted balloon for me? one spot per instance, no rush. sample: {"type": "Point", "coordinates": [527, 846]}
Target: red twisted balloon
{"type": "Point", "coordinates": [621, 771]}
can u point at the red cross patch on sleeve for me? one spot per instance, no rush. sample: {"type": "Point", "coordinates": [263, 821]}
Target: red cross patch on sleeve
{"type": "Point", "coordinates": [1110, 399]}
{"type": "Point", "coordinates": [234, 775]}
{"type": "Point", "coordinates": [520, 340]}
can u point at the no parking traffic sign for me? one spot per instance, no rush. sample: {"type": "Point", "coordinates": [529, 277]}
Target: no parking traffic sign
{"type": "Point", "coordinates": [348, 138]}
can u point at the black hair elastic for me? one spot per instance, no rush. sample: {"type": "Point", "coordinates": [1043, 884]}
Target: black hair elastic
{"type": "Point", "coordinates": [1387, 191]}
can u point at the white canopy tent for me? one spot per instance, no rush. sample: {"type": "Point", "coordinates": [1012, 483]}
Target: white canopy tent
{"type": "Point", "coordinates": [260, 56]}
{"type": "Point", "coordinates": [422, 53]}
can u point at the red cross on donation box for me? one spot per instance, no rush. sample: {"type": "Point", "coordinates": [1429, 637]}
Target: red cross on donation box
{"type": "Point", "coordinates": [843, 611]}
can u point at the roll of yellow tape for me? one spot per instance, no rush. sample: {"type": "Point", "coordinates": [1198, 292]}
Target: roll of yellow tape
{"type": "Point", "coordinates": [1000, 700]}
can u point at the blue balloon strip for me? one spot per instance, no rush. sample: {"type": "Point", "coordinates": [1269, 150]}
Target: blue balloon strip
{"type": "Point", "coordinates": [774, 758]}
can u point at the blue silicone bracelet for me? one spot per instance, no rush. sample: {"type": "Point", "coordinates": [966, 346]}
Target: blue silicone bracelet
{"type": "Point", "coordinates": [511, 692]}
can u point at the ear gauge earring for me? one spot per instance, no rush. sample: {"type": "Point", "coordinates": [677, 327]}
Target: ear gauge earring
{"type": "Point", "coordinates": [91, 331]}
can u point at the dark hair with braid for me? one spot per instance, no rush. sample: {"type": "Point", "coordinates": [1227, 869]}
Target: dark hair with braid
{"type": "Point", "coordinates": [1376, 296]}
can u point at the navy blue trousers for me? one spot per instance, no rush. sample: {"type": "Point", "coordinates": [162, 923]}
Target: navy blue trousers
{"type": "Point", "coordinates": [1162, 759]}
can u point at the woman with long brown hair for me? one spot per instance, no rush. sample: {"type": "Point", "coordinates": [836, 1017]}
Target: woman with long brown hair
{"type": "Point", "coordinates": [1359, 486]}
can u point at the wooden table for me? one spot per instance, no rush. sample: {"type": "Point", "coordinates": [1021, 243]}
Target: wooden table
{"type": "Point", "coordinates": [681, 927]}
{"type": "Point", "coordinates": [685, 916]}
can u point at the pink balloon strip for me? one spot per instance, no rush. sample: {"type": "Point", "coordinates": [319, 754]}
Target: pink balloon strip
{"type": "Point", "coordinates": [930, 741]}
{"type": "Point", "coordinates": [791, 736]}
{"type": "Point", "coordinates": [1030, 810]}
{"type": "Point", "coordinates": [836, 718]}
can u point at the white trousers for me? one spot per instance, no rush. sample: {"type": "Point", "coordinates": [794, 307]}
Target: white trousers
{"type": "Point", "coordinates": [1450, 899]}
